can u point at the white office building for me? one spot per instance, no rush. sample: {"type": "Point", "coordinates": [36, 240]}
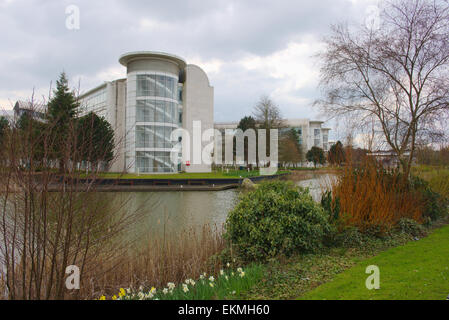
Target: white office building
{"type": "Point", "coordinates": [310, 133]}
{"type": "Point", "coordinates": [160, 94]}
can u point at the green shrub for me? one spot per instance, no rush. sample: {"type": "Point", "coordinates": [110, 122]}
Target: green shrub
{"type": "Point", "coordinates": [331, 207]}
{"type": "Point", "coordinates": [276, 219]}
{"type": "Point", "coordinates": [411, 227]}
{"type": "Point", "coordinates": [350, 237]}
{"type": "Point", "coordinates": [435, 204]}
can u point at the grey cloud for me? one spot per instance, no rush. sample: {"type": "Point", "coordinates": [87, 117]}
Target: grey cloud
{"type": "Point", "coordinates": [36, 46]}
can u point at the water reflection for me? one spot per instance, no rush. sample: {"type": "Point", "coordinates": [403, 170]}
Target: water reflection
{"type": "Point", "coordinates": [317, 183]}
{"type": "Point", "coordinates": [171, 212]}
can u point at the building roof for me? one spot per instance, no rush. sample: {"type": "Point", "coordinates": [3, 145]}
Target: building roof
{"type": "Point", "coordinates": [142, 55]}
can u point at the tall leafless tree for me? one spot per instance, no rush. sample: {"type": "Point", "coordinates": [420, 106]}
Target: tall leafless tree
{"type": "Point", "coordinates": [396, 72]}
{"type": "Point", "coordinates": [267, 114]}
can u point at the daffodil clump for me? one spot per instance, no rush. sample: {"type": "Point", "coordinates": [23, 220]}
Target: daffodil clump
{"type": "Point", "coordinates": [227, 285]}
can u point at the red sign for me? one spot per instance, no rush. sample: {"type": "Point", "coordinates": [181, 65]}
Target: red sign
{"type": "Point", "coordinates": [188, 163]}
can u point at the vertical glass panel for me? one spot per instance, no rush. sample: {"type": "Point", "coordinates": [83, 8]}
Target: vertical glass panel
{"type": "Point", "coordinates": [168, 112]}
{"type": "Point", "coordinates": [149, 131]}
{"type": "Point", "coordinates": [151, 110]}
{"type": "Point", "coordinates": [169, 86]}
{"type": "Point", "coordinates": [152, 85]}
{"type": "Point", "coordinates": [160, 106]}
{"type": "Point", "coordinates": [168, 131]}
{"type": "Point", "coordinates": [160, 86]}
{"type": "Point", "coordinates": [140, 111]}
{"type": "Point", "coordinates": [160, 137]}
{"type": "Point", "coordinates": [140, 137]}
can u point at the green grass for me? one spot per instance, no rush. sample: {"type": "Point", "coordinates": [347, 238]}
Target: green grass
{"type": "Point", "coordinates": [417, 270]}
{"type": "Point", "coordinates": [437, 176]}
{"type": "Point", "coordinates": [208, 175]}
{"type": "Point", "coordinates": [289, 278]}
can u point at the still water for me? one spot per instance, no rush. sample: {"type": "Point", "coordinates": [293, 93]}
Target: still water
{"type": "Point", "coordinates": [172, 212]}
{"type": "Point", "coordinates": [317, 183]}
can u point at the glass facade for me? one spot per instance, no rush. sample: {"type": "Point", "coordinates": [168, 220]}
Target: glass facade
{"type": "Point", "coordinates": [152, 136]}
{"type": "Point", "coordinates": [95, 102]}
{"type": "Point", "coordinates": [154, 161]}
{"type": "Point", "coordinates": [317, 134]}
{"type": "Point", "coordinates": [157, 115]}
{"type": "Point", "coordinates": [153, 110]}
{"type": "Point", "coordinates": [155, 85]}
{"type": "Point", "coordinates": [325, 142]}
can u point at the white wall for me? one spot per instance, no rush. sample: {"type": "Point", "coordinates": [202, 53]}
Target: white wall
{"type": "Point", "coordinates": [198, 101]}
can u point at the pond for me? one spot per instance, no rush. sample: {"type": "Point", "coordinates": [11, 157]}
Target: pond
{"type": "Point", "coordinates": [173, 211]}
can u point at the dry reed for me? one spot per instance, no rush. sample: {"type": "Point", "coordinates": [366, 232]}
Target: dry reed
{"type": "Point", "coordinates": [371, 197]}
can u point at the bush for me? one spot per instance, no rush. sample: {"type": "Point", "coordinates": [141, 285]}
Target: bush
{"type": "Point", "coordinates": [372, 199]}
{"type": "Point", "coordinates": [330, 206]}
{"type": "Point", "coordinates": [349, 237]}
{"type": "Point", "coordinates": [277, 218]}
{"type": "Point", "coordinates": [411, 227]}
{"type": "Point", "coordinates": [435, 205]}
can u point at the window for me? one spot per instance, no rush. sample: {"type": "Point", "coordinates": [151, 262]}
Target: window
{"type": "Point", "coordinates": [151, 161]}
{"type": "Point", "coordinates": [153, 137]}
{"type": "Point", "coordinates": [155, 85]}
{"type": "Point", "coordinates": [325, 142]}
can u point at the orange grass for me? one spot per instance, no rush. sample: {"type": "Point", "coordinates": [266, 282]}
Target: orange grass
{"type": "Point", "coordinates": [372, 197]}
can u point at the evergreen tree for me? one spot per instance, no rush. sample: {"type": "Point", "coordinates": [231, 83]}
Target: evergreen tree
{"type": "Point", "coordinates": [33, 133]}
{"type": "Point", "coordinates": [95, 139]}
{"type": "Point", "coordinates": [247, 123]}
{"type": "Point", "coordinates": [61, 113]}
{"type": "Point", "coordinates": [336, 154]}
{"type": "Point", "coordinates": [316, 155]}
{"type": "Point", "coordinates": [4, 126]}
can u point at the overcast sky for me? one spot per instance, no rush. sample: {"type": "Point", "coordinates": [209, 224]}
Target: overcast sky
{"type": "Point", "coordinates": [248, 48]}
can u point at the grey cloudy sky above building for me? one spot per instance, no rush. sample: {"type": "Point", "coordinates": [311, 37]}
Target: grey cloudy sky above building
{"type": "Point", "coordinates": [248, 48]}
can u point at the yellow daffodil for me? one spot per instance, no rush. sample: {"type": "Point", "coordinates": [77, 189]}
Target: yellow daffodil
{"type": "Point", "coordinates": [102, 298]}
{"type": "Point", "coordinates": [122, 293]}
{"type": "Point", "coordinates": [114, 297]}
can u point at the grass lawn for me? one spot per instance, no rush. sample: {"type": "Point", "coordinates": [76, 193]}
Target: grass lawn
{"type": "Point", "coordinates": [289, 278]}
{"type": "Point", "coordinates": [208, 175]}
{"type": "Point", "coordinates": [418, 270]}
{"type": "Point", "coordinates": [437, 176]}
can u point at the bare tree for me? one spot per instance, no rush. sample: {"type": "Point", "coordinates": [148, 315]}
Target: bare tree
{"type": "Point", "coordinates": [397, 73]}
{"type": "Point", "coordinates": [268, 117]}
{"type": "Point", "coordinates": [50, 220]}
{"type": "Point", "coordinates": [267, 114]}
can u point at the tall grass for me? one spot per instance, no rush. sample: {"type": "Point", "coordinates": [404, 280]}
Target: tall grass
{"type": "Point", "coordinates": [154, 260]}
{"type": "Point", "coordinates": [371, 198]}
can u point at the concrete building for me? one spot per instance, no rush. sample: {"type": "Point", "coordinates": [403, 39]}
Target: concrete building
{"type": "Point", "coordinates": [33, 111]}
{"type": "Point", "coordinates": [160, 94]}
{"type": "Point", "coordinates": [310, 133]}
